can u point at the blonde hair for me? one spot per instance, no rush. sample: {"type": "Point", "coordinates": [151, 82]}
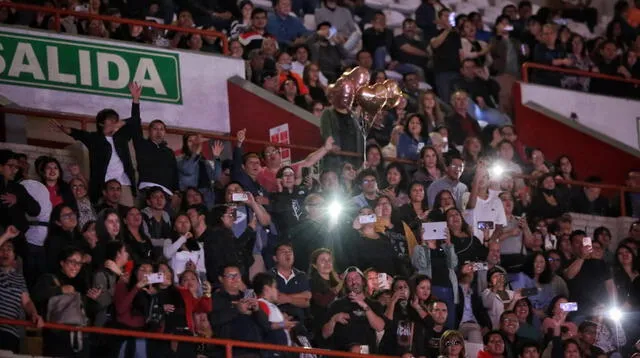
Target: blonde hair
{"type": "Point", "coordinates": [449, 336]}
{"type": "Point", "coordinates": [438, 114]}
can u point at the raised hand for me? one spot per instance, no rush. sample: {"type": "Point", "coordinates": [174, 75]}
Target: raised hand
{"type": "Point", "coordinates": [136, 91]}
{"type": "Point", "coordinates": [241, 136]}
{"type": "Point", "coordinates": [59, 127]}
{"type": "Point", "coordinates": [216, 148]}
{"type": "Point", "coordinates": [11, 232]}
{"type": "Point", "coordinates": [328, 143]}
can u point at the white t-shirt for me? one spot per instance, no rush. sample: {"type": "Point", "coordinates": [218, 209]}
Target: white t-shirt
{"type": "Point", "coordinates": [490, 209]}
{"type": "Point", "coordinates": [36, 234]}
{"type": "Point", "coordinates": [115, 168]}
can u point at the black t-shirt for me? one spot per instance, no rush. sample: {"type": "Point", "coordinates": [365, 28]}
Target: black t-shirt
{"type": "Point", "coordinates": [587, 287]}
{"type": "Point", "coordinates": [446, 58]}
{"type": "Point", "coordinates": [439, 270]}
{"type": "Point", "coordinates": [357, 331]}
{"type": "Point", "coordinates": [469, 248]}
{"type": "Point", "coordinates": [404, 57]}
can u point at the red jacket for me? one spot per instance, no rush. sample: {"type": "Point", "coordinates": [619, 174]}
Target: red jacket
{"type": "Point", "coordinates": [194, 305]}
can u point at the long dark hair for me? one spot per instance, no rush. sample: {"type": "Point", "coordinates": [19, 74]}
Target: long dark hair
{"type": "Point", "coordinates": [41, 163]}
{"type": "Point", "coordinates": [402, 186]}
{"type": "Point", "coordinates": [617, 266]}
{"type": "Point", "coordinates": [528, 268]}
{"type": "Point", "coordinates": [380, 167]}
{"type": "Point", "coordinates": [558, 168]}
{"type": "Point", "coordinates": [415, 281]}
{"type": "Point", "coordinates": [436, 203]}
{"type": "Point", "coordinates": [552, 304]}
{"type": "Point", "coordinates": [425, 205]}
{"type": "Point", "coordinates": [529, 318]}
{"type": "Point", "coordinates": [334, 280]}
{"type": "Point", "coordinates": [101, 228]}
{"type": "Point", "coordinates": [55, 216]}
{"type": "Point", "coordinates": [186, 152]}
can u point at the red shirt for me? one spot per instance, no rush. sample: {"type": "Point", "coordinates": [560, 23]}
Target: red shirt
{"type": "Point", "coordinates": [54, 196]}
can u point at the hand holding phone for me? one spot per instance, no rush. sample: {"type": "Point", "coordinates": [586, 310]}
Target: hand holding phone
{"type": "Point", "coordinates": [239, 197]}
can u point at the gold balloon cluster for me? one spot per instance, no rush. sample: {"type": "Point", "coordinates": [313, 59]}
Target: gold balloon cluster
{"type": "Point", "coordinates": [353, 89]}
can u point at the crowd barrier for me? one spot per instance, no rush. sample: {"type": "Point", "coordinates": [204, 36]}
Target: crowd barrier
{"type": "Point", "coordinates": [59, 13]}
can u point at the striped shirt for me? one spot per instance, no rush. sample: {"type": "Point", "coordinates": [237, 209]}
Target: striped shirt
{"type": "Point", "coordinates": [12, 286]}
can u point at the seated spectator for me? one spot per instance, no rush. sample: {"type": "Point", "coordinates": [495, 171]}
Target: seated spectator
{"type": "Point", "coordinates": [47, 294]}
{"type": "Point", "coordinates": [86, 212]}
{"type": "Point", "coordinates": [378, 40]}
{"type": "Point", "coordinates": [411, 141]}
{"type": "Point", "coordinates": [497, 298]}
{"type": "Point", "coordinates": [581, 61]}
{"type": "Point", "coordinates": [244, 24]}
{"type": "Point", "coordinates": [240, 321]}
{"type": "Point", "coordinates": [467, 246]}
{"type": "Point", "coordinates": [528, 322]}
{"type": "Point", "coordinates": [537, 273]}
{"type": "Point", "coordinates": [547, 203]}
{"type": "Point", "coordinates": [328, 51]}
{"type": "Point", "coordinates": [589, 201]}
{"type": "Point", "coordinates": [412, 94]}
{"type": "Point", "coordinates": [508, 133]}
{"type": "Point", "coordinates": [13, 292]}
{"type": "Point", "coordinates": [509, 326]}
{"type": "Point", "coordinates": [396, 185]}
{"type": "Point", "coordinates": [480, 34]}
{"type": "Point", "coordinates": [415, 212]}
{"type": "Point", "coordinates": [63, 232]}
{"type": "Point", "coordinates": [286, 28]}
{"type": "Point", "coordinates": [426, 15]}
{"type": "Point", "coordinates": [289, 92]}
{"type": "Point", "coordinates": [430, 166]}
{"type": "Point", "coordinates": [353, 318]}
{"type": "Point", "coordinates": [494, 345]}
{"type": "Point", "coordinates": [312, 78]}
{"type": "Point", "coordinates": [280, 323]}
{"type": "Point", "coordinates": [548, 53]}
{"type": "Point", "coordinates": [431, 111]}
{"type": "Point", "coordinates": [538, 166]}
{"type": "Point", "coordinates": [342, 20]}
{"type": "Point", "coordinates": [409, 51]}
{"type": "Point", "coordinates": [460, 123]}
{"type": "Point", "coordinates": [610, 64]}
{"type": "Point", "coordinates": [483, 92]}
{"type": "Point", "coordinates": [112, 137]}
{"type": "Point", "coordinates": [111, 198]}
{"type": "Point", "coordinates": [451, 181]}
{"type": "Point", "coordinates": [507, 54]}
{"type": "Point", "coordinates": [253, 37]}
{"type": "Point", "coordinates": [183, 250]}
{"type": "Point", "coordinates": [294, 293]}
{"type": "Point", "coordinates": [471, 316]}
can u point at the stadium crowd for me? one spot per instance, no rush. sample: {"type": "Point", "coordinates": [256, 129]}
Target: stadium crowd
{"type": "Point", "coordinates": [250, 249]}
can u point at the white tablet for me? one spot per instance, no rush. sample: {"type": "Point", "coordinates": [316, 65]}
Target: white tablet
{"type": "Point", "coordinates": [434, 231]}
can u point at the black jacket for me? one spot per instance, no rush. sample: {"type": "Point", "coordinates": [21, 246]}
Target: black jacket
{"type": "Point", "coordinates": [477, 307]}
{"type": "Point", "coordinates": [25, 204]}
{"type": "Point", "coordinates": [57, 241]}
{"type": "Point", "coordinates": [156, 162]}
{"type": "Point", "coordinates": [222, 248]}
{"type": "Point", "coordinates": [100, 152]}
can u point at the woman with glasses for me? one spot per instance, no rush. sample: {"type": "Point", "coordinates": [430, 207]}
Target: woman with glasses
{"type": "Point", "coordinates": [63, 232]}
{"type": "Point", "coordinates": [529, 323]}
{"type": "Point", "coordinates": [452, 345]}
{"type": "Point", "coordinates": [287, 203]}
{"type": "Point", "coordinates": [67, 279]}
{"type": "Point", "coordinates": [183, 250]}
{"type": "Point", "coordinates": [86, 211]}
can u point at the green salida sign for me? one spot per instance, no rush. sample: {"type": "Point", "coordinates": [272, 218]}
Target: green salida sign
{"type": "Point", "coordinates": [88, 67]}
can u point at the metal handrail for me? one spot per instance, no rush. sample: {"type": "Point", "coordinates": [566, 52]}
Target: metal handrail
{"type": "Point", "coordinates": [227, 343]}
{"type": "Point", "coordinates": [58, 12]}
{"type": "Point", "coordinates": [532, 65]}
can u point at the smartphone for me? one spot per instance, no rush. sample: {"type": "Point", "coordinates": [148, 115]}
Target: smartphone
{"type": "Point", "coordinates": [202, 276]}
{"type": "Point", "coordinates": [434, 230]}
{"type": "Point", "coordinates": [569, 306]}
{"type": "Point", "coordinates": [367, 219]}
{"type": "Point", "coordinates": [586, 241]}
{"type": "Point", "coordinates": [384, 283]}
{"type": "Point", "coordinates": [305, 172]}
{"type": "Point", "coordinates": [239, 197]}
{"type": "Point", "coordinates": [526, 292]}
{"type": "Point", "coordinates": [157, 277]}
{"type": "Point", "coordinates": [480, 266]}
{"type": "Point", "coordinates": [249, 293]}
{"type": "Point", "coordinates": [523, 49]}
{"type": "Point", "coordinates": [485, 225]}
{"type": "Point", "coordinates": [364, 349]}
{"type": "Point", "coordinates": [508, 28]}
{"type": "Point", "coordinates": [332, 32]}
{"type": "Point", "coordinates": [452, 19]}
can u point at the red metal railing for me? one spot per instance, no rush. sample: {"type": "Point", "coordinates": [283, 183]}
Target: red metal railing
{"type": "Point", "coordinates": [57, 13]}
{"type": "Point", "coordinates": [569, 71]}
{"type": "Point", "coordinates": [227, 343]}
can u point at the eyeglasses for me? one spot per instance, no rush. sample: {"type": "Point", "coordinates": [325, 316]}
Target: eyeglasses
{"type": "Point", "coordinates": [74, 263]}
{"type": "Point", "coordinates": [368, 181]}
{"type": "Point", "coordinates": [452, 343]}
{"type": "Point", "coordinates": [231, 276]}
{"type": "Point", "coordinates": [509, 320]}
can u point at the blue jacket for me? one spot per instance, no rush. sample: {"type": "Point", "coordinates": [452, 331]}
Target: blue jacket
{"type": "Point", "coordinates": [409, 148]}
{"type": "Point", "coordinates": [189, 170]}
{"type": "Point", "coordinates": [285, 29]}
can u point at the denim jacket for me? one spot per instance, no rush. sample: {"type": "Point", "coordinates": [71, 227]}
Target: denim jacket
{"type": "Point", "coordinates": [188, 170]}
{"type": "Point", "coordinates": [421, 260]}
